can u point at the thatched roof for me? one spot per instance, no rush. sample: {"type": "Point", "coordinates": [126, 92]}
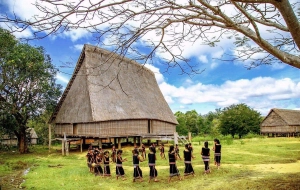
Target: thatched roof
{"type": "Point", "coordinates": [106, 86]}
{"type": "Point", "coordinates": [279, 117]}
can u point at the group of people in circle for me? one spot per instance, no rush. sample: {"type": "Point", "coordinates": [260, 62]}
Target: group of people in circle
{"type": "Point", "coordinates": [97, 157]}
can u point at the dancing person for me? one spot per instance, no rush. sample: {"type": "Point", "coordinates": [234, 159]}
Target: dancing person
{"type": "Point", "coordinates": [190, 147]}
{"type": "Point", "coordinates": [177, 151]}
{"type": "Point", "coordinates": [188, 161]}
{"type": "Point", "coordinates": [90, 160]}
{"type": "Point", "coordinates": [119, 167]}
{"type": "Point", "coordinates": [98, 169]}
{"type": "Point", "coordinates": [143, 148]}
{"type": "Point", "coordinates": [205, 157]}
{"type": "Point", "coordinates": [106, 164]}
{"type": "Point", "coordinates": [153, 145]}
{"type": "Point", "coordinates": [172, 162]}
{"type": "Point", "coordinates": [162, 151]}
{"type": "Point", "coordinates": [137, 172]}
{"type": "Point", "coordinates": [113, 153]}
{"type": "Point", "coordinates": [217, 149]}
{"type": "Point", "coordinates": [151, 163]}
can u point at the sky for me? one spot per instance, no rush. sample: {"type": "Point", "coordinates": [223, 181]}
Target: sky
{"type": "Point", "coordinates": [220, 85]}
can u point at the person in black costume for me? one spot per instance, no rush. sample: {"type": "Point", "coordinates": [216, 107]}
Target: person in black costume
{"type": "Point", "coordinates": [151, 163]}
{"type": "Point", "coordinates": [188, 161]}
{"type": "Point", "coordinates": [106, 164]}
{"type": "Point", "coordinates": [172, 162]}
{"type": "Point", "coordinates": [113, 153]}
{"type": "Point", "coordinates": [217, 149]}
{"type": "Point", "coordinates": [98, 169]}
{"type": "Point", "coordinates": [119, 167]}
{"type": "Point", "coordinates": [137, 172]}
{"type": "Point", "coordinates": [205, 156]}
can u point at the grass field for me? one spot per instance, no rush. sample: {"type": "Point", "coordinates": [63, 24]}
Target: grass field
{"type": "Point", "coordinates": [256, 163]}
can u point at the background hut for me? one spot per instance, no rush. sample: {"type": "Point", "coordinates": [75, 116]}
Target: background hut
{"type": "Point", "coordinates": [110, 96]}
{"type": "Point", "coordinates": [281, 122]}
{"type": "Point", "coordinates": [11, 140]}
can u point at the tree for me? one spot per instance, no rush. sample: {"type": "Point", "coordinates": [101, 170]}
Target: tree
{"type": "Point", "coordinates": [181, 127]}
{"type": "Point", "coordinates": [192, 121]}
{"type": "Point", "coordinates": [239, 119]}
{"type": "Point", "coordinates": [27, 85]}
{"type": "Point", "coordinates": [263, 31]}
{"type": "Point", "coordinates": [40, 125]}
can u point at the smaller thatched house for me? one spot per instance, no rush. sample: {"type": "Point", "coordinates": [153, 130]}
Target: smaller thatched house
{"type": "Point", "coordinates": [281, 122]}
{"type": "Point", "coordinates": [13, 141]}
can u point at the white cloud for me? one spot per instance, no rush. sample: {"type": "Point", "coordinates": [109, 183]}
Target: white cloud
{"type": "Point", "coordinates": [214, 65]}
{"type": "Point", "coordinates": [62, 78]}
{"type": "Point", "coordinates": [159, 77]}
{"type": "Point", "coordinates": [203, 58]}
{"type": "Point", "coordinates": [78, 47]}
{"type": "Point", "coordinates": [260, 93]}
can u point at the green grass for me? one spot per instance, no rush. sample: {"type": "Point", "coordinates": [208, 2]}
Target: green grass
{"type": "Point", "coordinates": [254, 163]}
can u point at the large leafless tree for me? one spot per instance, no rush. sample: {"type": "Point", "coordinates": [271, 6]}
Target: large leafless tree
{"type": "Point", "coordinates": [263, 31]}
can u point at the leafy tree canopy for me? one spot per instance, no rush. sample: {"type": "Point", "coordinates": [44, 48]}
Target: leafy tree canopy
{"type": "Point", "coordinates": [27, 85]}
{"type": "Point", "coordinates": [239, 119]}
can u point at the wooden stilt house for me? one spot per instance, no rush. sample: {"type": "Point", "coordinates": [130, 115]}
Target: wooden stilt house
{"type": "Point", "coordinates": [111, 96]}
{"type": "Point", "coordinates": [281, 122]}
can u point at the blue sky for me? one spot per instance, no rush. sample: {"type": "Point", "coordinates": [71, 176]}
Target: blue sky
{"type": "Point", "coordinates": [220, 85]}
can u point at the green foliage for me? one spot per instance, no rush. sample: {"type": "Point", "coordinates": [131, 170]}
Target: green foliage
{"type": "Point", "coordinates": [40, 125]}
{"type": "Point", "coordinates": [27, 85]}
{"type": "Point", "coordinates": [239, 119]}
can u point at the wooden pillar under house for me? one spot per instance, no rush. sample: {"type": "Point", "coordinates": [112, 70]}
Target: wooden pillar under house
{"type": "Point", "coordinates": [141, 141]}
{"type": "Point", "coordinates": [175, 138]}
{"type": "Point", "coordinates": [63, 147]}
{"type": "Point", "coordinates": [81, 140]}
{"type": "Point", "coordinates": [115, 141]}
{"type": "Point", "coordinates": [100, 143]}
{"type": "Point", "coordinates": [157, 142]}
{"type": "Point", "coordinates": [119, 142]}
{"type": "Point", "coordinates": [134, 141]}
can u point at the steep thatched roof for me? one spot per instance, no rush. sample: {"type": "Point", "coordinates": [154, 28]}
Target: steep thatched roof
{"type": "Point", "coordinates": [278, 117]}
{"type": "Point", "coordinates": [106, 86]}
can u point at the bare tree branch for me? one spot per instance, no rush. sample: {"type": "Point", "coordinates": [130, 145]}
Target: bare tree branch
{"type": "Point", "coordinates": [268, 27]}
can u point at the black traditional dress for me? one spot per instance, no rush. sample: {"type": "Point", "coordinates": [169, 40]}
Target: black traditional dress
{"type": "Point", "coordinates": [188, 162]}
{"type": "Point", "coordinates": [205, 158]}
{"type": "Point", "coordinates": [98, 169]}
{"type": "Point", "coordinates": [137, 172]}
{"type": "Point", "coordinates": [106, 166]}
{"type": "Point", "coordinates": [218, 154]}
{"type": "Point", "coordinates": [173, 168]}
{"type": "Point", "coordinates": [151, 163]}
{"type": "Point", "coordinates": [119, 167]}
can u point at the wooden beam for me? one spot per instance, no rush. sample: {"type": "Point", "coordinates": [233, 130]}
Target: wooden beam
{"type": "Point", "coordinates": [119, 143]}
{"type": "Point", "coordinates": [49, 146]}
{"type": "Point", "coordinates": [81, 140]}
{"type": "Point", "coordinates": [63, 147]}
{"type": "Point", "coordinates": [134, 141]}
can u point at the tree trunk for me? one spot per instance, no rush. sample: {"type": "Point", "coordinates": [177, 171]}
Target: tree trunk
{"type": "Point", "coordinates": [22, 140]}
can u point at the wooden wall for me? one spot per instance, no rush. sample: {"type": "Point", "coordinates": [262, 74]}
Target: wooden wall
{"type": "Point", "coordinates": [115, 128]}
{"type": "Point", "coordinates": [280, 129]}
